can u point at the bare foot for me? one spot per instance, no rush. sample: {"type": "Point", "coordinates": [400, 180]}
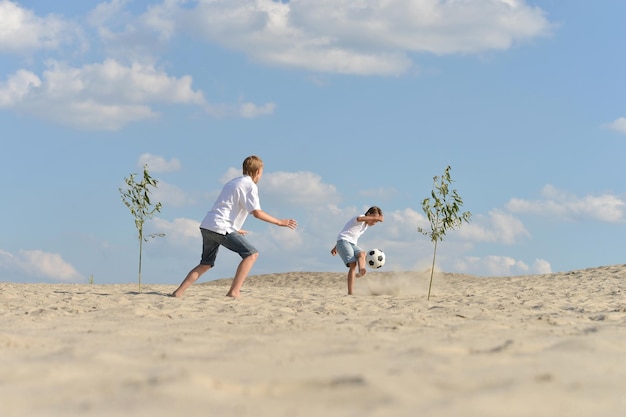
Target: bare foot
{"type": "Point", "coordinates": [175, 295]}
{"type": "Point", "coordinates": [233, 294]}
{"type": "Point", "coordinates": [361, 273]}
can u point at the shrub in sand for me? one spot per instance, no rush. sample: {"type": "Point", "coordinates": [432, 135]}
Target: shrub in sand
{"type": "Point", "coordinates": [442, 210]}
{"type": "Point", "coordinates": [137, 199]}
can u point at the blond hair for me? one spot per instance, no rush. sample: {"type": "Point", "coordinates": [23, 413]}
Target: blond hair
{"type": "Point", "coordinates": [252, 165]}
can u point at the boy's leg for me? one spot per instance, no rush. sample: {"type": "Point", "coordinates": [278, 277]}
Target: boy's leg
{"type": "Point", "coordinates": [191, 277]}
{"type": "Point", "coordinates": [361, 261]}
{"type": "Point", "coordinates": [240, 276]}
{"type": "Point", "coordinates": [210, 246]}
{"type": "Point", "coordinates": [351, 275]}
{"type": "Point", "coordinates": [237, 242]}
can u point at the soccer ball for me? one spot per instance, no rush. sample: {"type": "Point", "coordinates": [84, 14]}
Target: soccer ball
{"type": "Point", "coordinates": [375, 258]}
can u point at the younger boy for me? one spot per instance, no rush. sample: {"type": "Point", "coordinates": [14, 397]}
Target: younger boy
{"type": "Point", "coordinates": [351, 255]}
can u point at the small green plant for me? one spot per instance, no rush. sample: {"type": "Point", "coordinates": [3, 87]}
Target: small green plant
{"type": "Point", "coordinates": [137, 199]}
{"type": "Point", "coordinates": [91, 279]}
{"type": "Point", "coordinates": [442, 210]}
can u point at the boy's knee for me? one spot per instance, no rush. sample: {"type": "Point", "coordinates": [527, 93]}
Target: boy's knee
{"type": "Point", "coordinates": [253, 256]}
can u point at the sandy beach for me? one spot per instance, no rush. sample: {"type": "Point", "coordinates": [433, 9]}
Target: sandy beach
{"type": "Point", "coordinates": [295, 344]}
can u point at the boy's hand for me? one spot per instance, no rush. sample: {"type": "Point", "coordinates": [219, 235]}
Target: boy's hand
{"type": "Point", "coordinates": [290, 223]}
{"type": "Point", "coordinates": [333, 251]}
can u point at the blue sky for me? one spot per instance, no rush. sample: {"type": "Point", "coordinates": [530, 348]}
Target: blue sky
{"type": "Point", "coordinates": [350, 104]}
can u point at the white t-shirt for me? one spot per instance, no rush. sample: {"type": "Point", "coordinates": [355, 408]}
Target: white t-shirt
{"type": "Point", "coordinates": [239, 197]}
{"type": "Point", "coordinates": [352, 230]}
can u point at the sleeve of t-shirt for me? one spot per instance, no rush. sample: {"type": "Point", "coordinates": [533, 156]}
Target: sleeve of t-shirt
{"type": "Point", "coordinates": [252, 200]}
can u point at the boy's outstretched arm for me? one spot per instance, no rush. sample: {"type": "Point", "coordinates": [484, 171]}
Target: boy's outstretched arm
{"type": "Point", "coordinates": [266, 217]}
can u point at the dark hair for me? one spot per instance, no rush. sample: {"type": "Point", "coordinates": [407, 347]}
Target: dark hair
{"type": "Point", "coordinates": [373, 211]}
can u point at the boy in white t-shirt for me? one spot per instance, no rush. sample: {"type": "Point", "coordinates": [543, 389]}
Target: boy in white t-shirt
{"type": "Point", "coordinates": [347, 240]}
{"type": "Point", "coordinates": [222, 226]}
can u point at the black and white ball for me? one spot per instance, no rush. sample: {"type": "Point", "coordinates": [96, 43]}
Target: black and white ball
{"type": "Point", "coordinates": [375, 258]}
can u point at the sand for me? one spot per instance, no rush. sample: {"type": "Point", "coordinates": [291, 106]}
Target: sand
{"type": "Point", "coordinates": [295, 344]}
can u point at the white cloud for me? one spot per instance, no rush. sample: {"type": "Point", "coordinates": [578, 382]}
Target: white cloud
{"type": "Point", "coordinates": [339, 36]}
{"type": "Point", "coordinates": [111, 12]}
{"type": "Point", "coordinates": [108, 95]}
{"type": "Point", "coordinates": [605, 208]}
{"type": "Point", "coordinates": [165, 193]}
{"type": "Point", "coordinates": [22, 31]}
{"type": "Point", "coordinates": [541, 266]}
{"type": "Point", "coordinates": [403, 224]}
{"type": "Point", "coordinates": [123, 35]}
{"type": "Point", "coordinates": [103, 96]}
{"type": "Point", "coordinates": [246, 110]}
{"type": "Point", "coordinates": [298, 188]}
{"type": "Point", "coordinates": [286, 238]}
{"type": "Point", "coordinates": [159, 20]}
{"type": "Point", "coordinates": [17, 87]}
{"type": "Point", "coordinates": [38, 264]}
{"type": "Point", "coordinates": [171, 195]}
{"type": "Point", "coordinates": [158, 163]}
{"type": "Point", "coordinates": [619, 125]}
{"type": "Point", "coordinates": [181, 230]}
{"type": "Point", "coordinates": [493, 265]}
{"type": "Point", "coordinates": [250, 110]}
{"type": "Point", "coordinates": [232, 173]}
{"type": "Point", "coordinates": [345, 36]}
{"type": "Point", "coordinates": [498, 227]}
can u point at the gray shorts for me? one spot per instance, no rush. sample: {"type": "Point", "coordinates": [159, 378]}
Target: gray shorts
{"type": "Point", "coordinates": [347, 251]}
{"type": "Point", "coordinates": [211, 242]}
